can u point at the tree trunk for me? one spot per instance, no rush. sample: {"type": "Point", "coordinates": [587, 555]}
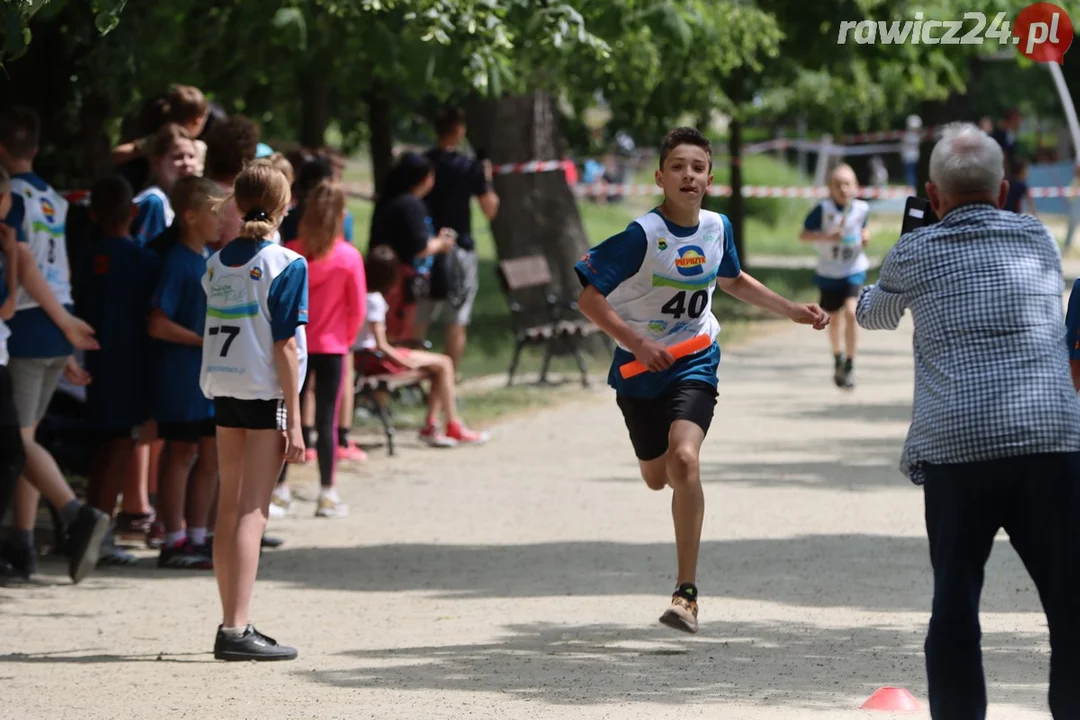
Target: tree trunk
{"type": "Point", "coordinates": [381, 128]}
{"type": "Point", "coordinates": [93, 115]}
{"type": "Point", "coordinates": [315, 108]}
{"type": "Point", "coordinates": [538, 212]}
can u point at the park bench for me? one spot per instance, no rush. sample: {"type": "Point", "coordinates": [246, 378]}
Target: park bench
{"type": "Point", "coordinates": [377, 391]}
{"type": "Point", "coordinates": [538, 318]}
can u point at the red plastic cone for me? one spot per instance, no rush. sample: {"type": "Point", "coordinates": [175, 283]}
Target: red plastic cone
{"type": "Point", "coordinates": [891, 699]}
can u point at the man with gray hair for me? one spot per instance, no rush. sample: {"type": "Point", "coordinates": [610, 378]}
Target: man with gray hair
{"type": "Point", "coordinates": [995, 430]}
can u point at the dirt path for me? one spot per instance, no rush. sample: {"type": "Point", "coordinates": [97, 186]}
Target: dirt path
{"type": "Point", "coordinates": [524, 579]}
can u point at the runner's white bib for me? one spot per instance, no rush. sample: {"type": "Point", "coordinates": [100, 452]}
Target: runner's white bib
{"type": "Point", "coordinates": [43, 225]}
{"type": "Point", "coordinates": [845, 258]}
{"type": "Point", "coordinates": [669, 299]}
{"type": "Point", "coordinates": [238, 343]}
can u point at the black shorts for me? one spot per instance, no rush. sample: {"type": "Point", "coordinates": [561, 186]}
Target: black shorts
{"type": "Point", "coordinates": [249, 414]}
{"type": "Point", "coordinates": [187, 432]}
{"type": "Point", "coordinates": [833, 299]}
{"type": "Point", "coordinates": [649, 419]}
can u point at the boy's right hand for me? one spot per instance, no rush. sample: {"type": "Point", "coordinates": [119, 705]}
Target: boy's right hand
{"type": "Point", "coordinates": [837, 234]}
{"type": "Point", "coordinates": [79, 333]}
{"type": "Point", "coordinates": [653, 355]}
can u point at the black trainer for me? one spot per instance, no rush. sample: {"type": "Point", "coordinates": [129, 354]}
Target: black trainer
{"type": "Point", "coordinates": [252, 645]}
{"type": "Point", "coordinates": [18, 558]}
{"type": "Point", "coordinates": [838, 370]}
{"type": "Point", "coordinates": [269, 541]}
{"type": "Point", "coordinates": [84, 541]}
{"type": "Point", "coordinates": [848, 380]}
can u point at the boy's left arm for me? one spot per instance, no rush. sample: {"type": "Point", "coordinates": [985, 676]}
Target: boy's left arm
{"type": "Point", "coordinates": [731, 279]}
{"type": "Point", "coordinates": [751, 291]}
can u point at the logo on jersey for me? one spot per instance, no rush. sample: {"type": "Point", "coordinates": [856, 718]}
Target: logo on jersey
{"type": "Point", "coordinates": [48, 210]}
{"type": "Point", "coordinates": [711, 237]}
{"type": "Point", "coordinates": [256, 273]}
{"type": "Point", "coordinates": [101, 264]}
{"type": "Point", "coordinates": [691, 261]}
{"type": "Point", "coordinates": [657, 326]}
{"type": "Point", "coordinates": [661, 244]}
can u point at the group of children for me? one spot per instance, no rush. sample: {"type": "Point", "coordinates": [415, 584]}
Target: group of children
{"type": "Point", "coordinates": [193, 337]}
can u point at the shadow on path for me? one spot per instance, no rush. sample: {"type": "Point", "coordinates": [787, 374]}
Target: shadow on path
{"type": "Point", "coordinates": [783, 664]}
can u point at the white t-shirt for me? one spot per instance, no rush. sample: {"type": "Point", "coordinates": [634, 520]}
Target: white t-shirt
{"type": "Point", "coordinates": [377, 307]}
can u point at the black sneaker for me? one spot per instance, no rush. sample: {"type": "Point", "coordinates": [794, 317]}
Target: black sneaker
{"type": "Point", "coordinates": [252, 645]}
{"type": "Point", "coordinates": [269, 541]}
{"type": "Point", "coordinates": [84, 541]}
{"type": "Point", "coordinates": [838, 371]}
{"type": "Point", "coordinates": [185, 556]}
{"type": "Point", "coordinates": [848, 381]}
{"type": "Point", "coordinates": [18, 559]}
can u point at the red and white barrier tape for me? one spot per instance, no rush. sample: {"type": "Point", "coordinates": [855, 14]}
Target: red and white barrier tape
{"type": "Point", "coordinates": [761, 191]}
{"type": "Point", "coordinates": [751, 191]}
{"type": "Point", "coordinates": [528, 167]}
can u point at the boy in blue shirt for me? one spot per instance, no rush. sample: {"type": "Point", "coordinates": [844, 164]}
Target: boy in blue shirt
{"type": "Point", "coordinates": [185, 416]}
{"type": "Point", "coordinates": [114, 297]}
{"type": "Point", "coordinates": [649, 288]}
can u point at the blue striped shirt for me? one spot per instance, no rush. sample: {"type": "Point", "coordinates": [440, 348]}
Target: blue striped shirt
{"type": "Point", "coordinates": [991, 373]}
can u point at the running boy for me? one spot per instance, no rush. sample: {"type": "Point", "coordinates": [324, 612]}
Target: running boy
{"type": "Point", "coordinates": [114, 296]}
{"type": "Point", "coordinates": [650, 287]}
{"type": "Point", "coordinates": [254, 354]}
{"type": "Point", "coordinates": [185, 417]}
{"type": "Point", "coordinates": [838, 227]}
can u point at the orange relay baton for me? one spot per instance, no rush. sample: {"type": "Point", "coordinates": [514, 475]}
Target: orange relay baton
{"type": "Point", "coordinates": [678, 350]}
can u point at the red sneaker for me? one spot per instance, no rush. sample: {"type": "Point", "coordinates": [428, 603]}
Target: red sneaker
{"type": "Point", "coordinates": [351, 452]}
{"type": "Point", "coordinates": [430, 435]}
{"type": "Point", "coordinates": [464, 436]}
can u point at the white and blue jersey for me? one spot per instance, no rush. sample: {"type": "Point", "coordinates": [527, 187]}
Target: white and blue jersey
{"type": "Point", "coordinates": [39, 216]}
{"type": "Point", "coordinates": [843, 262]}
{"type": "Point", "coordinates": [660, 278]}
{"type": "Point", "coordinates": [256, 296]}
{"type": "Point", "coordinates": [154, 214]}
{"type": "Point", "coordinates": [5, 292]}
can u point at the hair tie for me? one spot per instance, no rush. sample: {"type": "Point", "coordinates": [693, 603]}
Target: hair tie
{"type": "Point", "coordinates": [257, 215]}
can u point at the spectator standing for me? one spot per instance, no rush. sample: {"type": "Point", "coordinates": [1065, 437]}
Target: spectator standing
{"type": "Point", "coordinates": [455, 277]}
{"type": "Point", "coordinates": [909, 149]}
{"type": "Point", "coordinates": [401, 221]}
{"type": "Point", "coordinates": [1005, 135]}
{"type": "Point", "coordinates": [336, 298]}
{"type": "Point", "coordinates": [995, 432]}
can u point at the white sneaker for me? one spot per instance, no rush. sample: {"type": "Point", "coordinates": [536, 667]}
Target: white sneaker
{"type": "Point", "coordinates": [330, 505]}
{"type": "Point", "coordinates": [280, 502]}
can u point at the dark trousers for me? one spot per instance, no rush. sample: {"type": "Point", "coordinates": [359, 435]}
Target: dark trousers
{"type": "Point", "coordinates": [328, 372]}
{"type": "Point", "coordinates": [1036, 498]}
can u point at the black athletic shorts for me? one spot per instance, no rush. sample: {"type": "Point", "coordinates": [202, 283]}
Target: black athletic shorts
{"type": "Point", "coordinates": [249, 414]}
{"type": "Point", "coordinates": [187, 432]}
{"type": "Point", "coordinates": [649, 419]}
{"type": "Point", "coordinates": [833, 298]}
